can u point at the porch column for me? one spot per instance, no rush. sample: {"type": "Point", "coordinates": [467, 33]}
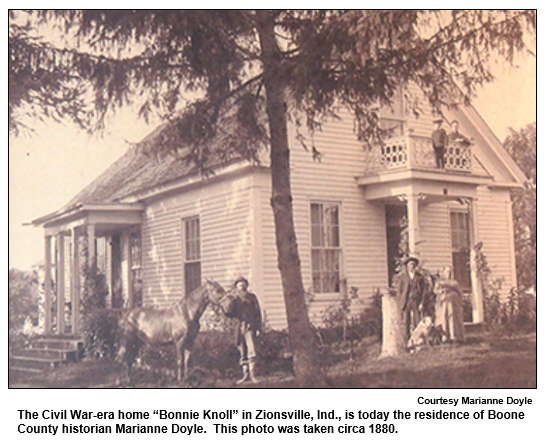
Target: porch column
{"type": "Point", "coordinates": [127, 249]}
{"type": "Point", "coordinates": [108, 271]}
{"type": "Point", "coordinates": [47, 285]}
{"type": "Point", "coordinates": [91, 244]}
{"type": "Point", "coordinates": [413, 223]}
{"type": "Point", "coordinates": [75, 282]}
{"type": "Point", "coordinates": [60, 284]}
{"type": "Point", "coordinates": [477, 297]}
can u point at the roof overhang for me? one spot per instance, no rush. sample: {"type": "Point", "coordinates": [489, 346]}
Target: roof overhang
{"type": "Point", "coordinates": [103, 216]}
{"type": "Point", "coordinates": [435, 185]}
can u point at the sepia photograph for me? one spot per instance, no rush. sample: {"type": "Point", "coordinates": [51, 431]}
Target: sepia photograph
{"type": "Point", "coordinates": [244, 199]}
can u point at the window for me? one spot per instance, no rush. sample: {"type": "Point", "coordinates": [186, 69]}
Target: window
{"type": "Point", "coordinates": [136, 264]}
{"type": "Point", "coordinates": [326, 247]}
{"type": "Point", "coordinates": [393, 116]}
{"type": "Point", "coordinates": [461, 248]}
{"type": "Point", "coordinates": [192, 268]}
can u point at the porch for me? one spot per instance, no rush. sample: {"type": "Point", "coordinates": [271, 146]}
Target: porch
{"type": "Point", "coordinates": [92, 237]}
{"type": "Point", "coordinates": [402, 176]}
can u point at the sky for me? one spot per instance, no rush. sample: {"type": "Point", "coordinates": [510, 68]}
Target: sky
{"type": "Point", "coordinates": [49, 167]}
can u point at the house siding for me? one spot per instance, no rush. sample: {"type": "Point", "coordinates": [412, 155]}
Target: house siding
{"type": "Point", "coordinates": [362, 224]}
{"type": "Point", "coordinates": [225, 238]}
{"type": "Point", "coordinates": [493, 211]}
{"type": "Point", "coordinates": [435, 248]}
{"type": "Point", "coordinates": [238, 233]}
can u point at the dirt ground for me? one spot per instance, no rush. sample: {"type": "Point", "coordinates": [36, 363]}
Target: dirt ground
{"type": "Point", "coordinates": [484, 360]}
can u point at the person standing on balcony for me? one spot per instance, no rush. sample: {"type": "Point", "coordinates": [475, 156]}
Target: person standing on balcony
{"type": "Point", "coordinates": [440, 141]}
{"type": "Point", "coordinates": [456, 136]}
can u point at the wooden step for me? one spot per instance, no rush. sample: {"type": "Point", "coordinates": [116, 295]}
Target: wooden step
{"type": "Point", "coordinates": [46, 353]}
{"type": "Point", "coordinates": [33, 364]}
{"type": "Point", "coordinates": [60, 343]}
{"type": "Point", "coordinates": [71, 355]}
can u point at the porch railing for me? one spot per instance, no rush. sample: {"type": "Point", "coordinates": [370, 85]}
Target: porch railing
{"type": "Point", "coordinates": [406, 152]}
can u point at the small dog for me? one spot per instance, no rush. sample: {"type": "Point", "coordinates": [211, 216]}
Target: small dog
{"type": "Point", "coordinates": [426, 334]}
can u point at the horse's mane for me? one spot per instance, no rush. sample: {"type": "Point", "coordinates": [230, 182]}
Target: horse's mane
{"type": "Point", "coordinates": [199, 291]}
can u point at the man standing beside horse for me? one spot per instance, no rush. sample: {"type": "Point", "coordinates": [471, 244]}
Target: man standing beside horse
{"type": "Point", "coordinates": [245, 308]}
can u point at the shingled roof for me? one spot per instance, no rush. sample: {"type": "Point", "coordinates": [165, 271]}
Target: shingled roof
{"type": "Point", "coordinates": [134, 172]}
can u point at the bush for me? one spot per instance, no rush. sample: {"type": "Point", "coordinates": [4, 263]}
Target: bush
{"type": "Point", "coordinates": [98, 325]}
{"type": "Point", "coordinates": [100, 331]}
{"type": "Point", "coordinates": [339, 325]}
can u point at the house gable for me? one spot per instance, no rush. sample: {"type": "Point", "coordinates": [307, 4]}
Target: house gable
{"type": "Point", "coordinates": [489, 153]}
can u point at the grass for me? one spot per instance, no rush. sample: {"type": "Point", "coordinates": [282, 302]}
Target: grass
{"type": "Point", "coordinates": [484, 360]}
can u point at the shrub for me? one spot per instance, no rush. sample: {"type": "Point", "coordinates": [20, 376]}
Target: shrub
{"type": "Point", "coordinates": [100, 330]}
{"type": "Point", "coordinates": [98, 325]}
{"type": "Point", "coordinates": [23, 302]}
{"type": "Point", "coordinates": [340, 325]}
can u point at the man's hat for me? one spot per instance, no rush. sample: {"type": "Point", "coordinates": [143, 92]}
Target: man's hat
{"type": "Point", "coordinates": [411, 258]}
{"type": "Point", "coordinates": [239, 279]}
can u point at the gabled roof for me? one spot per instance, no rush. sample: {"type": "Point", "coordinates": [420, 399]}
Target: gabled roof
{"type": "Point", "coordinates": [495, 144]}
{"type": "Point", "coordinates": [133, 172]}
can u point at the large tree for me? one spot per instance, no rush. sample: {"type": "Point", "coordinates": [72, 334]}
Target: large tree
{"type": "Point", "coordinates": [522, 145]}
{"type": "Point", "coordinates": [250, 72]}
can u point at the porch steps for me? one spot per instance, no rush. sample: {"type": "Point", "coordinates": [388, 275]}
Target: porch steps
{"type": "Point", "coordinates": [46, 353]}
{"type": "Point", "coordinates": [474, 328]}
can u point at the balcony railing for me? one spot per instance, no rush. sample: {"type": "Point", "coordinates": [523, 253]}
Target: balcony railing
{"type": "Point", "coordinates": [406, 152]}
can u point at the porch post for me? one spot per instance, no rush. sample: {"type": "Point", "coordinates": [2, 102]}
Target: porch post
{"type": "Point", "coordinates": [477, 297]}
{"type": "Point", "coordinates": [60, 284]}
{"type": "Point", "coordinates": [47, 285]}
{"type": "Point", "coordinates": [108, 270]}
{"type": "Point", "coordinates": [127, 249]}
{"type": "Point", "coordinates": [91, 244]}
{"type": "Point", "coordinates": [75, 282]}
{"type": "Point", "coordinates": [413, 223]}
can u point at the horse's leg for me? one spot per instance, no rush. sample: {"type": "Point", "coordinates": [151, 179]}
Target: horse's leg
{"type": "Point", "coordinates": [187, 354]}
{"type": "Point", "coordinates": [179, 350]}
{"type": "Point", "coordinates": [131, 352]}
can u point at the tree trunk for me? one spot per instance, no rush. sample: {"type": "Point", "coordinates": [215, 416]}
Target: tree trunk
{"type": "Point", "coordinates": [394, 327]}
{"type": "Point", "coordinates": [302, 338]}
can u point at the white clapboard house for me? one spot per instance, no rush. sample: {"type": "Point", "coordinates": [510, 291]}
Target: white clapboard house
{"type": "Point", "coordinates": [157, 228]}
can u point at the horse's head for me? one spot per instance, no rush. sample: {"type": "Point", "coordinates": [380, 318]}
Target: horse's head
{"type": "Point", "coordinates": [215, 291]}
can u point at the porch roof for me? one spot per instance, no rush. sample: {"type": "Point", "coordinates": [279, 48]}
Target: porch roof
{"type": "Point", "coordinates": [104, 216]}
{"type": "Point", "coordinates": [434, 183]}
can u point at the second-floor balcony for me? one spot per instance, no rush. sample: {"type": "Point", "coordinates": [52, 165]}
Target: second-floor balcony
{"type": "Point", "coordinates": [413, 152]}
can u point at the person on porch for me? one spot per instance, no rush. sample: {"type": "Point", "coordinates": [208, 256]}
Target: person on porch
{"type": "Point", "coordinates": [245, 308]}
{"type": "Point", "coordinates": [411, 290]}
{"type": "Point", "coordinates": [439, 139]}
{"type": "Point", "coordinates": [456, 136]}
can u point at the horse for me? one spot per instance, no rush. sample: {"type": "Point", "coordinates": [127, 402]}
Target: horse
{"type": "Point", "coordinates": [178, 324]}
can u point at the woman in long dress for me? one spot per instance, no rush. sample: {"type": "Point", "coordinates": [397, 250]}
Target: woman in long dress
{"type": "Point", "coordinates": [449, 309]}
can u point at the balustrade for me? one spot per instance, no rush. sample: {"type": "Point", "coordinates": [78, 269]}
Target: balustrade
{"type": "Point", "coordinates": [414, 152]}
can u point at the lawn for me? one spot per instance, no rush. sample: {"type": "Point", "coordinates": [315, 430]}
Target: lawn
{"type": "Point", "coordinates": [484, 360]}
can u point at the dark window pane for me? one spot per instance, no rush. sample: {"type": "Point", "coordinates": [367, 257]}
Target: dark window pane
{"type": "Point", "coordinates": [316, 214]}
{"type": "Point", "coordinates": [192, 276]}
